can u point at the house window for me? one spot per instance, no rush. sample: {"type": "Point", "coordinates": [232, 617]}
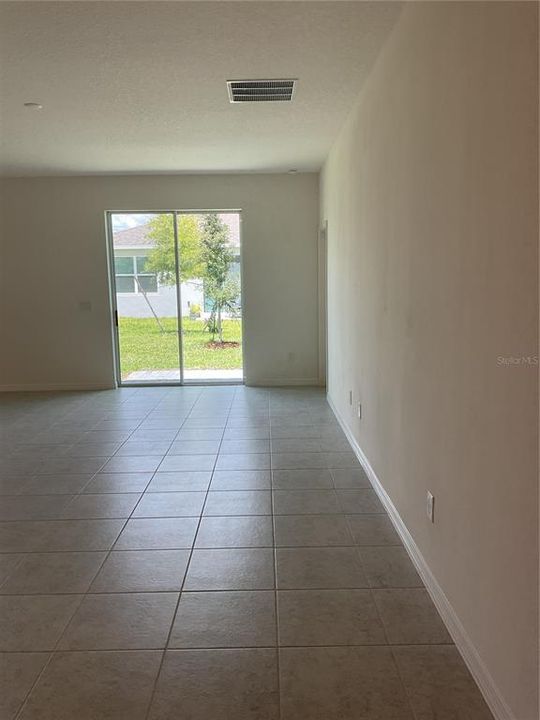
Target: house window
{"type": "Point", "coordinates": [131, 276]}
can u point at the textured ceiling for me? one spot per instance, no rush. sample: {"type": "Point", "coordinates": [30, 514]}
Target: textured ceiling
{"type": "Point", "coordinates": [140, 87]}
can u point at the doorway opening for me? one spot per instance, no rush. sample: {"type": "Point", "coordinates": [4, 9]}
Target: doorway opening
{"type": "Point", "coordinates": [176, 289]}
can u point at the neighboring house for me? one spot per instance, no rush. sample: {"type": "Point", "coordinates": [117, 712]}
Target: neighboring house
{"type": "Point", "coordinates": [136, 288]}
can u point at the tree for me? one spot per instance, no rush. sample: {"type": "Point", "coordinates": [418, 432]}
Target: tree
{"type": "Point", "coordinates": [161, 259]}
{"type": "Point", "coordinates": [224, 298]}
{"type": "Point", "coordinates": [220, 288]}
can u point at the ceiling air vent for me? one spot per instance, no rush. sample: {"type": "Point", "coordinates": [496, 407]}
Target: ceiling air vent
{"type": "Point", "coordinates": [241, 91]}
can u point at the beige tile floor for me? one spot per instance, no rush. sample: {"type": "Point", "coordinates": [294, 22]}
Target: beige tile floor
{"type": "Point", "coordinates": [206, 554]}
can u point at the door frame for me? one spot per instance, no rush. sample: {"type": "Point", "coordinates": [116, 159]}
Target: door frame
{"type": "Point", "coordinates": [323, 303]}
{"type": "Point", "coordinates": [117, 373]}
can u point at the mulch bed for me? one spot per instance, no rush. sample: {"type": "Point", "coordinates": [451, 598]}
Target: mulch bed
{"type": "Point", "coordinates": [225, 345]}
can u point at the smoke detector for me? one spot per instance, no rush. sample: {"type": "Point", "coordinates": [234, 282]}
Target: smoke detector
{"type": "Point", "coordinates": [242, 91]}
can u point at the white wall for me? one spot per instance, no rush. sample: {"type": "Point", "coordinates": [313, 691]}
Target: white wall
{"type": "Point", "coordinates": [430, 193]}
{"type": "Point", "coordinates": [54, 256]}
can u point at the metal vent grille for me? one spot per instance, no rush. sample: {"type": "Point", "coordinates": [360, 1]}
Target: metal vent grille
{"type": "Point", "coordinates": [241, 91]}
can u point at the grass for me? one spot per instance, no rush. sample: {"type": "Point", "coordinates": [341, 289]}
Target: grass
{"type": "Point", "coordinates": [143, 346]}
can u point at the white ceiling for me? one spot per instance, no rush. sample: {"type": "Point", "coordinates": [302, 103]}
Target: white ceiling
{"type": "Point", "coordinates": [140, 87]}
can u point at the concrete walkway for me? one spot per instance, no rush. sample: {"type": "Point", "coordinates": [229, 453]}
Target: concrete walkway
{"type": "Point", "coordinates": [190, 375]}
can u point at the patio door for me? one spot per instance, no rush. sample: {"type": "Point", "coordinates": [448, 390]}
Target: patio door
{"type": "Point", "coordinates": [176, 296]}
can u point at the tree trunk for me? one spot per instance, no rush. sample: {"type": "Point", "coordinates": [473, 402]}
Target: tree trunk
{"type": "Point", "coordinates": [143, 292]}
{"type": "Point", "coordinates": [220, 329]}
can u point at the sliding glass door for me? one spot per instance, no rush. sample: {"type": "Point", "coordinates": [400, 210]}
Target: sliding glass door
{"type": "Point", "coordinates": [209, 250]}
{"type": "Point", "coordinates": [146, 297]}
{"type": "Point", "coordinates": [176, 295]}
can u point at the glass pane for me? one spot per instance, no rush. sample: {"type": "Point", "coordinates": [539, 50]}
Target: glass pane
{"type": "Point", "coordinates": [148, 283]}
{"type": "Point", "coordinates": [147, 324]}
{"type": "Point", "coordinates": [141, 262]}
{"type": "Point", "coordinates": [209, 248]}
{"type": "Point", "coordinates": [125, 284]}
{"type": "Point", "coordinates": [123, 265]}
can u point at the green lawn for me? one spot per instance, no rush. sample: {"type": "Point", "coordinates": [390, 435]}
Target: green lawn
{"type": "Point", "coordinates": [144, 347]}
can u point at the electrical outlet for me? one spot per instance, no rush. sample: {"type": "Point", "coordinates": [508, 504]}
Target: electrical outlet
{"type": "Point", "coordinates": [350, 397]}
{"type": "Point", "coordinates": [430, 506]}
{"type": "Point", "coordinates": [359, 409]}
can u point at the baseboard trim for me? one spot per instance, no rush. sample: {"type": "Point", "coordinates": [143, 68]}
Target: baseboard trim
{"type": "Point", "coordinates": [464, 644]}
{"type": "Point", "coordinates": [51, 387]}
{"type": "Point", "coordinates": [282, 382]}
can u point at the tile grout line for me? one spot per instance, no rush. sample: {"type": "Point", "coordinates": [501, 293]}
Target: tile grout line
{"type": "Point", "coordinates": [170, 492]}
{"type": "Point", "coordinates": [8, 576]}
{"type": "Point", "coordinates": [152, 474]}
{"type": "Point", "coordinates": [274, 553]}
{"type": "Point", "coordinates": [81, 491]}
{"type": "Point", "coordinates": [341, 513]}
{"type": "Point", "coordinates": [61, 635]}
{"type": "Point", "coordinates": [217, 547]}
{"type": "Point", "coordinates": [294, 588]}
{"type": "Point", "coordinates": [380, 617]}
{"type": "Point", "coordinates": [175, 612]}
{"type": "Point", "coordinates": [402, 682]}
{"type": "Point", "coordinates": [302, 646]}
